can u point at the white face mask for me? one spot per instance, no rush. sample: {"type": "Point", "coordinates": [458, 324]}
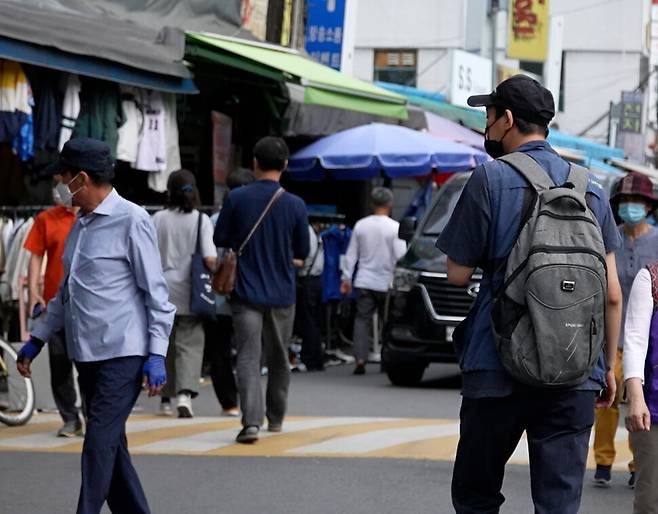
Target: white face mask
{"type": "Point", "coordinates": [62, 195]}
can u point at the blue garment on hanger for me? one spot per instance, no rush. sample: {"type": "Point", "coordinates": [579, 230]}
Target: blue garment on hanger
{"type": "Point", "coordinates": [334, 242]}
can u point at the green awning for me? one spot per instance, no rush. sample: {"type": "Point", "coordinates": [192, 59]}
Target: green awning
{"type": "Point", "coordinates": [323, 85]}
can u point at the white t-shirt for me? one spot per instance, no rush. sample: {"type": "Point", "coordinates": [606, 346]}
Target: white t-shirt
{"type": "Point", "coordinates": [177, 239]}
{"type": "Point", "coordinates": [128, 142]}
{"type": "Point", "coordinates": [376, 247]}
{"type": "Point", "coordinates": [152, 150]}
{"type": "Point", "coordinates": [158, 181]}
{"type": "Point", "coordinates": [637, 326]}
{"type": "Point", "coordinates": [70, 109]}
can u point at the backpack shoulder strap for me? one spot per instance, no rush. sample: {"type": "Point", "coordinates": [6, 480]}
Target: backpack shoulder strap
{"type": "Point", "coordinates": [579, 177]}
{"type": "Point", "coordinates": [530, 169]}
{"type": "Point", "coordinates": [653, 271]}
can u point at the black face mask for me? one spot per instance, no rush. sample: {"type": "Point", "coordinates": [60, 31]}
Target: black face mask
{"type": "Point", "coordinates": [494, 148]}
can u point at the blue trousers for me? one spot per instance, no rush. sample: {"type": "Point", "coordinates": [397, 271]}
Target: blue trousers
{"type": "Point", "coordinates": [110, 388]}
{"type": "Point", "coordinates": [557, 424]}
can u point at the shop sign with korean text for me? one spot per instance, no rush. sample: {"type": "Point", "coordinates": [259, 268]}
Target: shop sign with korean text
{"type": "Point", "coordinates": [631, 112]}
{"type": "Point", "coordinates": [528, 30]}
{"type": "Point", "coordinates": [325, 27]}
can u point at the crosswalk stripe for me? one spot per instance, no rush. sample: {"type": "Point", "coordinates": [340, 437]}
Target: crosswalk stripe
{"type": "Point", "coordinates": [48, 440]}
{"type": "Point", "coordinates": [215, 440]}
{"type": "Point", "coordinates": [379, 439]}
{"type": "Point", "coordinates": [302, 437]}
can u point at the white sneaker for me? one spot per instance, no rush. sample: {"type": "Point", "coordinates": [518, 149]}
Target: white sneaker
{"type": "Point", "coordinates": [184, 404]}
{"type": "Point", "coordinates": [165, 409]}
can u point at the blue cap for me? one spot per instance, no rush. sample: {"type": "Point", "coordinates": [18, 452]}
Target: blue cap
{"type": "Point", "coordinates": [83, 154]}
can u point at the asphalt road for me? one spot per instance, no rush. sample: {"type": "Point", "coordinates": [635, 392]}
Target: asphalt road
{"type": "Point", "coordinates": [45, 482]}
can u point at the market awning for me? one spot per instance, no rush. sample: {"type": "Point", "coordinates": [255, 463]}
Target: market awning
{"type": "Point", "coordinates": [53, 58]}
{"type": "Point", "coordinates": [94, 43]}
{"type": "Point", "coordinates": [322, 85]}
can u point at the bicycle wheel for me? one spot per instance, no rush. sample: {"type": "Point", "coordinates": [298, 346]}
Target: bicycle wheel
{"type": "Point", "coordinates": [16, 392]}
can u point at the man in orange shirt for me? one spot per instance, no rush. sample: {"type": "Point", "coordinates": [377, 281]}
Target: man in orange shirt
{"type": "Point", "coordinates": [46, 239]}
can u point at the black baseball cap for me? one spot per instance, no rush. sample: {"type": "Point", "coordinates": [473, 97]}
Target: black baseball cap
{"type": "Point", "coordinates": [524, 96]}
{"type": "Point", "coordinates": [84, 154]}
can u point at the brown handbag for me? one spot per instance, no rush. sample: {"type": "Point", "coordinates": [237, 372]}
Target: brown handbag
{"type": "Point", "coordinates": [223, 281]}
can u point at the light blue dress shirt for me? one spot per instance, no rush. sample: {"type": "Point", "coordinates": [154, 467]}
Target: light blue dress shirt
{"type": "Point", "coordinates": [113, 301]}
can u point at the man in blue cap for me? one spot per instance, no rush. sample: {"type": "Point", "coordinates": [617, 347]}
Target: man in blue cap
{"type": "Point", "coordinates": [113, 304]}
{"type": "Point", "coordinates": [497, 408]}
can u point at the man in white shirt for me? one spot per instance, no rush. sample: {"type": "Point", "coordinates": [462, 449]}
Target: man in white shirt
{"type": "Point", "coordinates": [376, 248]}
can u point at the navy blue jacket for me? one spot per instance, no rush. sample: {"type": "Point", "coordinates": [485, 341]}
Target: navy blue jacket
{"type": "Point", "coordinates": [266, 275]}
{"type": "Point", "coordinates": [481, 232]}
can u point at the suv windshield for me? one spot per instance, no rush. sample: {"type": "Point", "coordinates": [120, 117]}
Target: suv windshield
{"type": "Point", "coordinates": [449, 194]}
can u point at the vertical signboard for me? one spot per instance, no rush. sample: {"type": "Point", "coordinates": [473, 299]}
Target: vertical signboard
{"type": "Point", "coordinates": [630, 133]}
{"type": "Point", "coordinates": [528, 30]}
{"type": "Point", "coordinates": [222, 128]}
{"type": "Point", "coordinates": [631, 112]}
{"type": "Point", "coordinates": [325, 29]}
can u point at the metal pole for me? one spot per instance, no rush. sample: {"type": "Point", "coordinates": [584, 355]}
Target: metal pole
{"type": "Point", "coordinates": [294, 36]}
{"type": "Point", "coordinates": [493, 16]}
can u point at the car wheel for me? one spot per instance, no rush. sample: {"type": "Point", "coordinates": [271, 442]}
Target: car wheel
{"type": "Point", "coordinates": [408, 375]}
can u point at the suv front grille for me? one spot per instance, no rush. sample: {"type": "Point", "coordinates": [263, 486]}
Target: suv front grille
{"type": "Point", "coordinates": [447, 300]}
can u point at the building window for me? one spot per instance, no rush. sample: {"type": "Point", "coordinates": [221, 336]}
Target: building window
{"type": "Point", "coordinates": [396, 66]}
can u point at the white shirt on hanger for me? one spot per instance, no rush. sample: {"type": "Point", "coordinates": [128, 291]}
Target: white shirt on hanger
{"type": "Point", "coordinates": [152, 150]}
{"type": "Point", "coordinates": [128, 142]}
{"type": "Point", "coordinates": [70, 108]}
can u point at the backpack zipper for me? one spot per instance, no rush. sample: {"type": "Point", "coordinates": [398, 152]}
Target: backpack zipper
{"type": "Point", "coordinates": [552, 249]}
{"type": "Point", "coordinates": [565, 218]}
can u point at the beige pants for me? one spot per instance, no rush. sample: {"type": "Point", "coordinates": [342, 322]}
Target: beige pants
{"type": "Point", "coordinates": [605, 426]}
{"type": "Point", "coordinates": [645, 446]}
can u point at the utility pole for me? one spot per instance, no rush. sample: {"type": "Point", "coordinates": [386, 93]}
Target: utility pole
{"type": "Point", "coordinates": [493, 20]}
{"type": "Point", "coordinates": [296, 14]}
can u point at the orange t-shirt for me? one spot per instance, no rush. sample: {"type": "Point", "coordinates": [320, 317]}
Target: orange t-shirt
{"type": "Point", "coordinates": [47, 236]}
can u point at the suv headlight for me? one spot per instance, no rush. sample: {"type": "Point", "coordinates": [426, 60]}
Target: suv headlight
{"type": "Point", "coordinates": [404, 279]}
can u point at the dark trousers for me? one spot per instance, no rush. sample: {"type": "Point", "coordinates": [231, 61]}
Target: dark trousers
{"type": "Point", "coordinates": [61, 378]}
{"type": "Point", "coordinates": [558, 425]}
{"type": "Point", "coordinates": [218, 352]}
{"type": "Point", "coordinates": [111, 389]}
{"type": "Point", "coordinates": [367, 303]}
{"type": "Point", "coordinates": [309, 314]}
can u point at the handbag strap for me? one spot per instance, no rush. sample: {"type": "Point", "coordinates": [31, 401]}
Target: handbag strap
{"type": "Point", "coordinates": [315, 257]}
{"type": "Point", "coordinates": [275, 198]}
{"type": "Point", "coordinates": [198, 234]}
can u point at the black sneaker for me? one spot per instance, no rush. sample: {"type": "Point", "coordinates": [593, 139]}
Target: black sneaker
{"type": "Point", "coordinates": [360, 369]}
{"type": "Point", "coordinates": [602, 477]}
{"type": "Point", "coordinates": [248, 435]}
{"type": "Point", "coordinates": [631, 480]}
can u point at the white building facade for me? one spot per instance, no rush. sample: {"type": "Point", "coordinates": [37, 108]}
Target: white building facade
{"type": "Point", "coordinates": [603, 49]}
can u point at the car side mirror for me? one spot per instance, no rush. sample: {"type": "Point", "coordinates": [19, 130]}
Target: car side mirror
{"type": "Point", "coordinates": [407, 228]}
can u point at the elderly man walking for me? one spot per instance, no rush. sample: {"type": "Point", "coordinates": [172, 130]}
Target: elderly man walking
{"type": "Point", "coordinates": [113, 304]}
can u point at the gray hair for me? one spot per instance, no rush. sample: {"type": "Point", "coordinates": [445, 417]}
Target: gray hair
{"type": "Point", "coordinates": [381, 197]}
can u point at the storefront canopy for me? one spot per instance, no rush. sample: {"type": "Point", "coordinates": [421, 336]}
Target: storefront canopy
{"type": "Point", "coordinates": [94, 43]}
{"type": "Point", "coordinates": [53, 58]}
{"type": "Point", "coordinates": [322, 85]}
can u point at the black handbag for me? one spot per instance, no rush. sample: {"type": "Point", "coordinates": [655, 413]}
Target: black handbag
{"type": "Point", "coordinates": [202, 297]}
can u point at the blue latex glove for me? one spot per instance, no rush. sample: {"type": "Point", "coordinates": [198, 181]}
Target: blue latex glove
{"type": "Point", "coordinates": [27, 354]}
{"type": "Point", "coordinates": [155, 373]}
{"type": "Point", "coordinates": [30, 349]}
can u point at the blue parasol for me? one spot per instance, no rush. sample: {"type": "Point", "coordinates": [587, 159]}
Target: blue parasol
{"type": "Point", "coordinates": [367, 151]}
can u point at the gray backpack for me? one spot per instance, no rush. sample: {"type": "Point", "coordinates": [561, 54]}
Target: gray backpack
{"type": "Point", "coordinates": [549, 316]}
